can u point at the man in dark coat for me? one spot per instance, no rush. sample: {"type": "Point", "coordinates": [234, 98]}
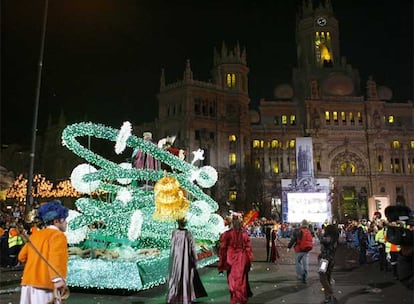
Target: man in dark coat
{"type": "Point", "coordinates": [328, 240]}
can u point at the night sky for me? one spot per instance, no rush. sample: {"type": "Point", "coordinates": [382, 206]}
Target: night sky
{"type": "Point", "coordinates": [102, 58]}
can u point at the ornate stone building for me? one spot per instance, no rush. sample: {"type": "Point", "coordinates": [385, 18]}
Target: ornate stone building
{"type": "Point", "coordinates": [362, 141]}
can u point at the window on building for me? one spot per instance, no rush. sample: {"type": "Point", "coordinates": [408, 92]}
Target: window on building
{"type": "Point", "coordinates": [380, 164]}
{"type": "Point", "coordinates": [290, 144]}
{"type": "Point", "coordinates": [231, 80]}
{"type": "Point", "coordinates": [396, 168]}
{"type": "Point", "coordinates": [318, 163]}
{"type": "Point", "coordinates": [335, 117]}
{"type": "Point", "coordinates": [284, 119]}
{"type": "Point", "coordinates": [343, 117]}
{"type": "Point", "coordinates": [411, 165]}
{"type": "Point", "coordinates": [232, 195]}
{"type": "Point", "coordinates": [232, 159]}
{"type": "Point", "coordinates": [347, 168]}
{"type": "Point", "coordinates": [258, 144]}
{"type": "Point", "coordinates": [390, 119]}
{"type": "Point", "coordinates": [400, 199]}
{"type": "Point", "coordinates": [292, 120]}
{"type": "Point", "coordinates": [327, 117]}
{"type": "Point", "coordinates": [212, 111]}
{"type": "Point", "coordinates": [359, 116]}
{"type": "Point", "coordinates": [232, 138]}
{"type": "Point", "coordinates": [276, 144]}
{"type": "Point", "coordinates": [396, 144]}
{"type": "Point", "coordinates": [351, 118]}
{"type": "Point", "coordinates": [276, 120]}
{"type": "Point", "coordinates": [197, 109]}
{"type": "Point", "coordinates": [292, 165]}
{"type": "Point", "coordinates": [275, 167]}
{"type": "Point", "coordinates": [412, 144]}
{"type": "Point", "coordinates": [323, 51]}
{"type": "Point", "coordinates": [257, 164]}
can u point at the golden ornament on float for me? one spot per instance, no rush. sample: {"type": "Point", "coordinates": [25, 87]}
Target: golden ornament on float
{"type": "Point", "coordinates": [170, 201]}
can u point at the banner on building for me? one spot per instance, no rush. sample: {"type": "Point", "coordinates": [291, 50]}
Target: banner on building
{"type": "Point", "coordinates": [304, 157]}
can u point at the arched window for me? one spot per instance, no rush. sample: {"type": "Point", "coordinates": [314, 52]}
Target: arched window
{"type": "Point", "coordinates": [276, 144]}
{"type": "Point", "coordinates": [347, 168]}
{"type": "Point", "coordinates": [232, 159]}
{"type": "Point", "coordinates": [290, 144]}
{"type": "Point", "coordinates": [231, 80]}
{"type": "Point", "coordinates": [396, 144]}
{"type": "Point", "coordinates": [275, 167]}
{"type": "Point", "coordinates": [232, 195]}
{"type": "Point", "coordinates": [258, 144]}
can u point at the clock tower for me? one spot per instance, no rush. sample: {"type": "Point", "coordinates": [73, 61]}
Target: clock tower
{"type": "Point", "coordinates": [321, 72]}
{"type": "Point", "coordinates": [317, 36]}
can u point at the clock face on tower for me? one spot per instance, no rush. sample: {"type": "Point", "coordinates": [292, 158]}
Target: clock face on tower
{"type": "Point", "coordinates": [321, 21]}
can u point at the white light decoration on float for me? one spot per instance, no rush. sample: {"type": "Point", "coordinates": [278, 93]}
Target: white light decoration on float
{"type": "Point", "coordinates": [77, 179]}
{"type": "Point", "coordinates": [124, 195]}
{"type": "Point", "coordinates": [199, 213]}
{"type": "Point", "coordinates": [206, 176]}
{"type": "Point", "coordinates": [78, 235]}
{"type": "Point", "coordinates": [122, 137]}
{"type": "Point", "coordinates": [135, 227]}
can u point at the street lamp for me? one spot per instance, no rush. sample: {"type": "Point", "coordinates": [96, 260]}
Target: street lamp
{"type": "Point", "coordinates": [29, 197]}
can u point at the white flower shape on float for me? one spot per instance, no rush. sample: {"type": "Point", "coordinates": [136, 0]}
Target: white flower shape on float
{"type": "Point", "coordinates": [199, 213]}
{"type": "Point", "coordinates": [216, 223]}
{"type": "Point", "coordinates": [125, 181]}
{"type": "Point", "coordinates": [77, 235]}
{"type": "Point", "coordinates": [123, 135]}
{"type": "Point", "coordinates": [77, 175]}
{"type": "Point", "coordinates": [124, 195]}
{"type": "Point", "coordinates": [205, 177]}
{"type": "Point", "coordinates": [134, 230]}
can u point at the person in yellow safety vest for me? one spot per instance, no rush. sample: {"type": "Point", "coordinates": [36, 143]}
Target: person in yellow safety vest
{"type": "Point", "coordinates": [391, 251]}
{"type": "Point", "coordinates": [380, 242]}
{"type": "Point", "coordinates": [15, 244]}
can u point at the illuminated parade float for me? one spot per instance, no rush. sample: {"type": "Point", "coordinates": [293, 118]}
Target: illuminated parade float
{"type": "Point", "coordinates": [119, 237]}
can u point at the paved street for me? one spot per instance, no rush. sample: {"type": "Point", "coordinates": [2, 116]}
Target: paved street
{"type": "Point", "coordinates": [271, 283]}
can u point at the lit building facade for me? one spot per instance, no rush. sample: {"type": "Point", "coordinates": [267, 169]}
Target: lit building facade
{"type": "Point", "coordinates": [362, 142]}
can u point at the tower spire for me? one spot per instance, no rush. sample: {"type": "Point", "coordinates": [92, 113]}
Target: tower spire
{"type": "Point", "coordinates": [162, 79]}
{"type": "Point", "coordinates": [188, 74]}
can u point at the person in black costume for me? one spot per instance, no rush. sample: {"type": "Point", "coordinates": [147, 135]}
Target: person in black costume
{"type": "Point", "coordinates": [267, 229]}
{"type": "Point", "coordinates": [328, 241]}
{"type": "Point", "coordinates": [184, 283]}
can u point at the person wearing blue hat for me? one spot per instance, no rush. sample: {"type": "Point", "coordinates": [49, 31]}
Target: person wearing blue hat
{"type": "Point", "coordinates": [45, 255]}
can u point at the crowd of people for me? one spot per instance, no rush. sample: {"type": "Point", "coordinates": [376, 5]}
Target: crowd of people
{"type": "Point", "coordinates": [367, 237]}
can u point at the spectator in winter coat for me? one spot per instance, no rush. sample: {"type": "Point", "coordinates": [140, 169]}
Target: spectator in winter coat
{"type": "Point", "coordinates": [328, 241]}
{"type": "Point", "coordinates": [301, 254]}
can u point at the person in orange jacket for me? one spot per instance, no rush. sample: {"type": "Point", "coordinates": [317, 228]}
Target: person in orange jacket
{"type": "Point", "coordinates": [45, 255]}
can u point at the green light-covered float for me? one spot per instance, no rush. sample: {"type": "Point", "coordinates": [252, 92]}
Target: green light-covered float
{"type": "Point", "coordinates": [121, 240]}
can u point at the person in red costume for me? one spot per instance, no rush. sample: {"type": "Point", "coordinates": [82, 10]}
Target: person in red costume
{"type": "Point", "coordinates": [235, 257]}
